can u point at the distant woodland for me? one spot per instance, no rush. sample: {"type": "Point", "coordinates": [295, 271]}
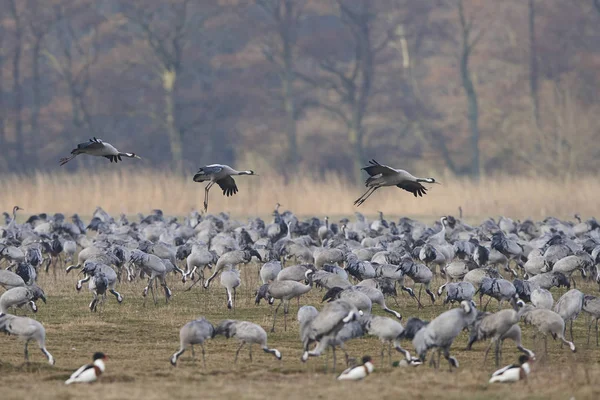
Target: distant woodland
{"type": "Point", "coordinates": [467, 87]}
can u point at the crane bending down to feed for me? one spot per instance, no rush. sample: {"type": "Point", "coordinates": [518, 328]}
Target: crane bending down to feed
{"type": "Point", "coordinates": [221, 175]}
{"type": "Point", "coordinates": [96, 147]}
{"type": "Point", "coordinates": [382, 175]}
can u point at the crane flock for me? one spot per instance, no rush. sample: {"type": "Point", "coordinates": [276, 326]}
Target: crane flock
{"type": "Point", "coordinates": [518, 267]}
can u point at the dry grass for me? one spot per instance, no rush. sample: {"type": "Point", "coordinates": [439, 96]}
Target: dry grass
{"type": "Point", "coordinates": [140, 340]}
{"type": "Point", "coordinates": [130, 191]}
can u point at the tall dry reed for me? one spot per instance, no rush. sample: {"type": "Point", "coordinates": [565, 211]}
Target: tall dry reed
{"type": "Point", "coordinates": [130, 192]}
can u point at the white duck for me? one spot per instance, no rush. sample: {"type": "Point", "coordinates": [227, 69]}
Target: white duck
{"type": "Point", "coordinates": [359, 372]}
{"type": "Point", "coordinates": [513, 372]}
{"type": "Point", "coordinates": [90, 372]}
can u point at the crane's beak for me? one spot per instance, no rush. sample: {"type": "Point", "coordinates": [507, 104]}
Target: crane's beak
{"type": "Point", "coordinates": [138, 157]}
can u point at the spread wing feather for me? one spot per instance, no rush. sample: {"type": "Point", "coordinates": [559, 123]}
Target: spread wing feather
{"type": "Point", "coordinates": [228, 185]}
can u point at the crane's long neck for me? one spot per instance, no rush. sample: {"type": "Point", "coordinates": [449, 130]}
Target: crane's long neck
{"type": "Point", "coordinates": [289, 230]}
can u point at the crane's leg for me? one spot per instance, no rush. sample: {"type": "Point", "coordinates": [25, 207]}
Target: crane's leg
{"type": "Point", "coordinates": [419, 298]}
{"type": "Point", "coordinates": [193, 354]}
{"type": "Point", "coordinates": [250, 351]}
{"type": "Point", "coordinates": [206, 195]}
{"type": "Point", "coordinates": [390, 352]}
{"type": "Point", "coordinates": [571, 330]}
{"type": "Point", "coordinates": [590, 330]}
{"type": "Point", "coordinates": [487, 350]}
{"type": "Point", "coordinates": [275, 315]}
{"type": "Point", "coordinates": [237, 353]}
{"type": "Point", "coordinates": [286, 307]}
{"type": "Point", "coordinates": [357, 201]}
{"type": "Point", "coordinates": [497, 352]}
{"type": "Point", "coordinates": [365, 196]}
{"type": "Point", "coordinates": [203, 355]}
{"type": "Point", "coordinates": [334, 358]}
{"type": "Point", "coordinates": [26, 351]}
{"type": "Point", "coordinates": [382, 354]}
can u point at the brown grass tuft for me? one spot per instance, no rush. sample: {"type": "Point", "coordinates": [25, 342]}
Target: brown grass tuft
{"type": "Point", "coordinates": [130, 192]}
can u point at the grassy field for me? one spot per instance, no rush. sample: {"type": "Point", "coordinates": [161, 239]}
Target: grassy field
{"type": "Point", "coordinates": [130, 191]}
{"type": "Point", "coordinates": [139, 341]}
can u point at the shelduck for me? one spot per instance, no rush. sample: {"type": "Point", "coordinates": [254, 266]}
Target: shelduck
{"type": "Point", "coordinates": [90, 372]}
{"type": "Point", "coordinates": [513, 372]}
{"type": "Point", "coordinates": [359, 372]}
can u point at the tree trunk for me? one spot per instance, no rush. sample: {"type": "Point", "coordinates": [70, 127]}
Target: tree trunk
{"type": "Point", "coordinates": [2, 109]}
{"type": "Point", "coordinates": [169, 78]}
{"type": "Point", "coordinates": [288, 84]}
{"type": "Point", "coordinates": [36, 83]}
{"type": "Point", "coordinates": [533, 65]}
{"type": "Point", "coordinates": [17, 88]}
{"type": "Point", "coordinates": [355, 135]}
{"type": "Point", "coordinates": [473, 107]}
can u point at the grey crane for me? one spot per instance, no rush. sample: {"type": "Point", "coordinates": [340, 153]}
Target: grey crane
{"type": "Point", "coordinates": [548, 280]}
{"type": "Point", "coordinates": [327, 323]}
{"type": "Point", "coordinates": [9, 279]}
{"type": "Point", "coordinates": [569, 306]}
{"type": "Point", "coordinates": [232, 259]}
{"type": "Point", "coordinates": [230, 280]}
{"type": "Point", "coordinates": [542, 298]}
{"type": "Point", "coordinates": [499, 289]}
{"type": "Point", "coordinates": [70, 248]}
{"type": "Point", "coordinates": [459, 291]}
{"type": "Point", "coordinates": [283, 291]}
{"type": "Point", "coordinates": [20, 296]}
{"type": "Point", "coordinates": [269, 271]}
{"type": "Point", "coordinates": [456, 271]}
{"type": "Point", "coordinates": [419, 273]}
{"type": "Point", "coordinates": [194, 332]}
{"type": "Point", "coordinates": [222, 175]}
{"type": "Point", "coordinates": [328, 256]}
{"type": "Point", "coordinates": [591, 305]}
{"type": "Point", "coordinates": [294, 272]}
{"type": "Point", "coordinates": [442, 330]}
{"type": "Point", "coordinates": [329, 280]}
{"type": "Point", "coordinates": [475, 276]}
{"type": "Point", "coordinates": [375, 295]}
{"type": "Point", "coordinates": [547, 322]}
{"type": "Point", "coordinates": [247, 333]}
{"type": "Point", "coordinates": [495, 326]}
{"type": "Point", "coordinates": [579, 261]}
{"type": "Point", "coordinates": [388, 331]}
{"type": "Point", "coordinates": [200, 258]}
{"type": "Point", "coordinates": [26, 329]}
{"type": "Point", "coordinates": [355, 297]}
{"type": "Point", "coordinates": [101, 278]}
{"type": "Point", "coordinates": [382, 175]}
{"type": "Point", "coordinates": [350, 330]}
{"type": "Point", "coordinates": [152, 266]}
{"type": "Point", "coordinates": [359, 269]}
{"type": "Point", "coordinates": [97, 147]}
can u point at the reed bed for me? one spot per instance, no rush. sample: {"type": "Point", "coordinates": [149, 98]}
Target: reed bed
{"type": "Point", "coordinates": [132, 191]}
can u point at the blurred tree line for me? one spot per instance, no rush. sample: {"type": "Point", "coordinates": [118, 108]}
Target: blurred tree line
{"type": "Point", "coordinates": [464, 86]}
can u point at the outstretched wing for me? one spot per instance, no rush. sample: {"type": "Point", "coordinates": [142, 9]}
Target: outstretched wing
{"type": "Point", "coordinates": [207, 172]}
{"type": "Point", "coordinates": [414, 187]}
{"type": "Point", "coordinates": [92, 144]}
{"type": "Point", "coordinates": [375, 169]}
{"type": "Point", "coordinates": [228, 185]}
